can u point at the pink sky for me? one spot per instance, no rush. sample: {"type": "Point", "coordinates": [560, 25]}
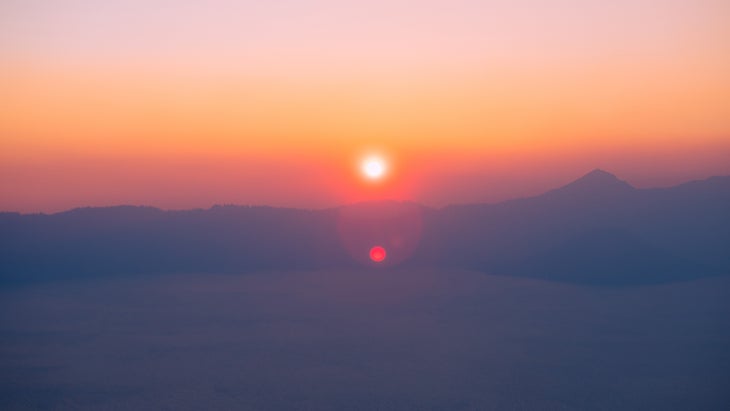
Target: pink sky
{"type": "Point", "coordinates": [182, 104]}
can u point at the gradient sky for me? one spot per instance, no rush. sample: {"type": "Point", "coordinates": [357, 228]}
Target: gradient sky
{"type": "Point", "coordinates": [181, 104]}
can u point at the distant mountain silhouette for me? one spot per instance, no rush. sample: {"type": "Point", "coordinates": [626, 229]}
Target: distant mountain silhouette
{"type": "Point", "coordinates": [597, 182]}
{"type": "Point", "coordinates": [595, 230]}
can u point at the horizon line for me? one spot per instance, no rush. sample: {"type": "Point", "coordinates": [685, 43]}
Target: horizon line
{"type": "Point", "coordinates": [384, 200]}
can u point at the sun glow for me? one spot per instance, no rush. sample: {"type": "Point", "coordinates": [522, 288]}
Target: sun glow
{"type": "Point", "coordinates": [374, 168]}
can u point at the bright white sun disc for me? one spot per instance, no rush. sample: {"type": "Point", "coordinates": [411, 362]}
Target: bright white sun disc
{"type": "Point", "coordinates": [373, 167]}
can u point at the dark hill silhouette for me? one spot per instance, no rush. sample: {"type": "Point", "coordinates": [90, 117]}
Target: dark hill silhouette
{"type": "Point", "coordinates": [596, 183]}
{"type": "Point", "coordinates": [595, 230]}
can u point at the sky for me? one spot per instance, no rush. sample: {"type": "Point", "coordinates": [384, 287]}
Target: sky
{"type": "Point", "coordinates": [183, 104]}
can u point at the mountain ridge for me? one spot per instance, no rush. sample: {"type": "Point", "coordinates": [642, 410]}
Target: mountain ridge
{"type": "Point", "coordinates": [595, 179]}
{"type": "Point", "coordinates": [593, 237]}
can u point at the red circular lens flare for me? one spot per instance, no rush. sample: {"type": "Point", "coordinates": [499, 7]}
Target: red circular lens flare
{"type": "Point", "coordinates": [377, 253]}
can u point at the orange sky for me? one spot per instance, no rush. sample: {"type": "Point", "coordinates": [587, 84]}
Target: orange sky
{"type": "Point", "coordinates": [183, 104]}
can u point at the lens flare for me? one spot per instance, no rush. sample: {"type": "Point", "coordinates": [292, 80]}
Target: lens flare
{"type": "Point", "coordinates": [377, 254]}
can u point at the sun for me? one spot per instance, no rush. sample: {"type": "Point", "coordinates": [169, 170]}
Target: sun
{"type": "Point", "coordinates": [374, 168]}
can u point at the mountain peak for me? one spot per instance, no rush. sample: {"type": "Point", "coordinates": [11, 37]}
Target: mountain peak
{"type": "Point", "coordinates": [597, 182]}
{"type": "Point", "coordinates": [598, 173]}
{"type": "Point", "coordinates": [600, 178]}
